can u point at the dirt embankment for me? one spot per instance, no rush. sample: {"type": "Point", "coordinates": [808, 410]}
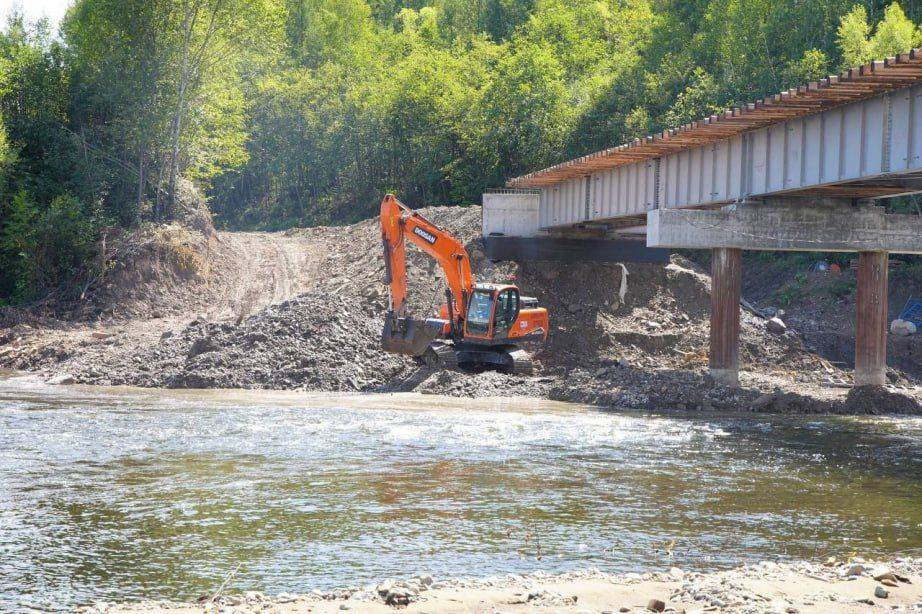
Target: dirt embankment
{"type": "Point", "coordinates": [820, 304]}
{"type": "Point", "coordinates": [303, 310]}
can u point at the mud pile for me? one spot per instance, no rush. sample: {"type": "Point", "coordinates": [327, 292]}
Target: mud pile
{"type": "Point", "coordinates": [327, 339]}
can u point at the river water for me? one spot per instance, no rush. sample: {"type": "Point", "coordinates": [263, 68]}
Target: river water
{"type": "Point", "coordinates": [129, 494]}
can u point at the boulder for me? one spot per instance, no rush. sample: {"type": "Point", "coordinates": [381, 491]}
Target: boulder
{"type": "Point", "coordinates": [202, 345]}
{"type": "Point", "coordinates": [902, 328]}
{"type": "Point", "coordinates": [385, 587]}
{"type": "Point", "coordinates": [656, 605]}
{"type": "Point", "coordinates": [881, 593]}
{"type": "Point", "coordinates": [776, 325]}
{"type": "Point", "coordinates": [882, 571]}
{"type": "Point", "coordinates": [763, 402]}
{"type": "Point", "coordinates": [62, 379]}
{"type": "Point", "coordinates": [397, 597]}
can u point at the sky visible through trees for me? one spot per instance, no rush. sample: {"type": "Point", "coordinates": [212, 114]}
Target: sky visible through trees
{"type": "Point", "coordinates": [54, 10]}
{"type": "Point", "coordinates": [293, 112]}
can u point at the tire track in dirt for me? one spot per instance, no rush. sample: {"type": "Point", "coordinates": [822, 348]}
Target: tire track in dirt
{"type": "Point", "coordinates": [261, 269]}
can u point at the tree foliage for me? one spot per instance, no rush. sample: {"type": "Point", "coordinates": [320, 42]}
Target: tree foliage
{"type": "Point", "coordinates": [895, 34]}
{"type": "Point", "coordinates": [302, 111]}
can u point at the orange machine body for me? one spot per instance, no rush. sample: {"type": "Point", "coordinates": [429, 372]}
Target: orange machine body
{"type": "Point", "coordinates": [512, 318]}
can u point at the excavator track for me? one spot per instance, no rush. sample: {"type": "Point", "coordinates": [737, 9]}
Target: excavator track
{"type": "Point", "coordinates": [440, 356]}
{"type": "Point", "coordinates": [520, 362]}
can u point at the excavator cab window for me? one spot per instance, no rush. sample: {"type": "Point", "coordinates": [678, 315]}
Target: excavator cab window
{"type": "Point", "coordinates": [478, 313]}
{"type": "Point", "coordinates": [507, 310]}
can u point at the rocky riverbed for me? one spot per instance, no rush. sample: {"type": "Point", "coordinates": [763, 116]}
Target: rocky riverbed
{"type": "Point", "coordinates": [854, 585]}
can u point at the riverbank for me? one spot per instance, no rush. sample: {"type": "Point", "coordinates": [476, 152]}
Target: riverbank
{"type": "Point", "coordinates": [841, 586]}
{"type": "Point", "coordinates": [302, 310]}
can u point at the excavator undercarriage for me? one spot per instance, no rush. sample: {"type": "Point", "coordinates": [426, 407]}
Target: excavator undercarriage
{"type": "Point", "coordinates": [504, 358]}
{"type": "Point", "coordinates": [423, 339]}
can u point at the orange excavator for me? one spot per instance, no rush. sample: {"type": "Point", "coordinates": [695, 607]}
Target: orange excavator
{"type": "Point", "coordinates": [479, 325]}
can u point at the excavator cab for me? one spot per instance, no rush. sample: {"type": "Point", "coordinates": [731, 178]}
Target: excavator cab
{"type": "Point", "coordinates": [479, 313]}
{"type": "Point", "coordinates": [498, 314]}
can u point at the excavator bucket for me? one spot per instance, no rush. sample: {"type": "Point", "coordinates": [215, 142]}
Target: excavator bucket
{"type": "Point", "coordinates": [409, 336]}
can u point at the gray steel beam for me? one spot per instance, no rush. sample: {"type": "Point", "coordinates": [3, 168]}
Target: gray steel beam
{"type": "Point", "coordinates": [872, 147]}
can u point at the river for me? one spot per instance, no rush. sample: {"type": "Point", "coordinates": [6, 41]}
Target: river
{"type": "Point", "coordinates": [129, 494]}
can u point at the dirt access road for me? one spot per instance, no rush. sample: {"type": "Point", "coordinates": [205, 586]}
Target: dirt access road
{"type": "Point", "coordinates": [162, 281]}
{"type": "Point", "coordinates": [262, 269]}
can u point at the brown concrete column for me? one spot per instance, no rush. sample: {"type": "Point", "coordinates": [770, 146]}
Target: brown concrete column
{"type": "Point", "coordinates": [871, 323]}
{"type": "Point", "coordinates": [726, 282]}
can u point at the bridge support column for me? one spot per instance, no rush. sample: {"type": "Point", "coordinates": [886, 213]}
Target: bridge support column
{"type": "Point", "coordinates": [871, 323]}
{"type": "Point", "coordinates": [726, 283]}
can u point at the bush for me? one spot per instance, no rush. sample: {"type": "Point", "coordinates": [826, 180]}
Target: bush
{"type": "Point", "coordinates": [44, 247]}
{"type": "Point", "coordinates": [843, 287]}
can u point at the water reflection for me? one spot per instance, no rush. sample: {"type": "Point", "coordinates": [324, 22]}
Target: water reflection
{"type": "Point", "coordinates": [131, 494]}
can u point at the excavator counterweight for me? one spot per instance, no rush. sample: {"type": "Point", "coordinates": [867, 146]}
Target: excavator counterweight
{"type": "Point", "coordinates": [479, 325]}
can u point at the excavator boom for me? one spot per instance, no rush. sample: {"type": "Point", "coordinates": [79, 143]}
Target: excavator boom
{"type": "Point", "coordinates": [399, 223]}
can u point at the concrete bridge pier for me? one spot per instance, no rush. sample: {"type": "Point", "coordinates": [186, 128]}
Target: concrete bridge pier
{"type": "Point", "coordinates": [793, 224]}
{"type": "Point", "coordinates": [726, 285]}
{"type": "Point", "coordinates": [871, 319]}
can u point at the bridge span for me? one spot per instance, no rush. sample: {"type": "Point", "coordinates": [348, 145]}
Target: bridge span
{"type": "Point", "coordinates": [798, 171]}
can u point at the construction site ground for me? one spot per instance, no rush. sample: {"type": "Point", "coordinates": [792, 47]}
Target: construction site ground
{"type": "Point", "coordinates": [303, 309]}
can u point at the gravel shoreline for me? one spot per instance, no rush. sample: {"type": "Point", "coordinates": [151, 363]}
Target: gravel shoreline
{"type": "Point", "coordinates": [855, 585]}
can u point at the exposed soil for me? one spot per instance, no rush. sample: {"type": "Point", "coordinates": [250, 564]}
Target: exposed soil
{"type": "Point", "coordinates": [303, 310]}
{"type": "Point", "coordinates": [821, 304]}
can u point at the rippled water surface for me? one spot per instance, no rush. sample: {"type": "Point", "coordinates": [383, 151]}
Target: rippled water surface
{"type": "Point", "coordinates": [127, 494]}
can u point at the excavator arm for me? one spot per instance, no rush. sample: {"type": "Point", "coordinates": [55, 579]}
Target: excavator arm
{"type": "Point", "coordinates": [399, 223]}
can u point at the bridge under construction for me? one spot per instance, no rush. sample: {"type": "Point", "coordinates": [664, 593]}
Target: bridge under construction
{"type": "Point", "coordinates": [802, 170]}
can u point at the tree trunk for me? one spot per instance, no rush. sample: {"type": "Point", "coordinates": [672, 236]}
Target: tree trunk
{"type": "Point", "coordinates": [141, 178]}
{"type": "Point", "coordinates": [188, 24]}
{"type": "Point", "coordinates": [177, 133]}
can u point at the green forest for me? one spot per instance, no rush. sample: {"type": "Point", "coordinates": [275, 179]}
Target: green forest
{"type": "Point", "coordinates": [297, 112]}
